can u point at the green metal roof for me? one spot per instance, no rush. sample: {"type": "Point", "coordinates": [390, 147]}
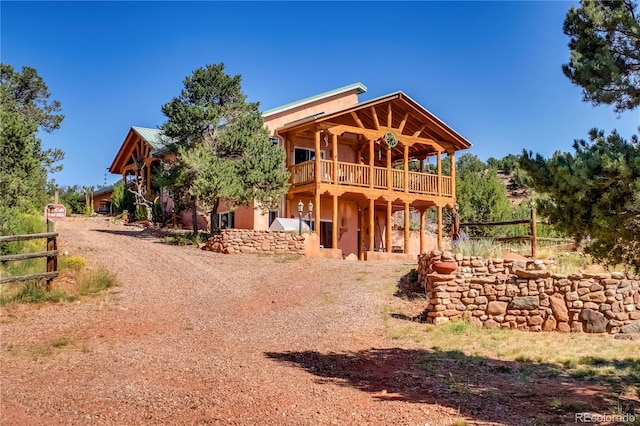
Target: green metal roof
{"type": "Point", "coordinates": [357, 86]}
{"type": "Point", "coordinates": [154, 137]}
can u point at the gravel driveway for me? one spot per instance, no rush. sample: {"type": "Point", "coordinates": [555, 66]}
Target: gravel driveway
{"type": "Point", "coordinates": [194, 337]}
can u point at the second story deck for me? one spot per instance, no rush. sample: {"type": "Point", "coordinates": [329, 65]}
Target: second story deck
{"type": "Point", "coordinates": [360, 176]}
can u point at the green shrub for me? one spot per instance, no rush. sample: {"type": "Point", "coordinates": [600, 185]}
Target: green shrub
{"type": "Point", "coordinates": [141, 213]}
{"type": "Point", "coordinates": [72, 262]}
{"type": "Point", "coordinates": [122, 199]}
{"type": "Point", "coordinates": [15, 222]}
{"type": "Point", "coordinates": [157, 212]}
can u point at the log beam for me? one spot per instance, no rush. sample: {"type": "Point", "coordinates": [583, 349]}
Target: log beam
{"type": "Point", "coordinates": [376, 123]}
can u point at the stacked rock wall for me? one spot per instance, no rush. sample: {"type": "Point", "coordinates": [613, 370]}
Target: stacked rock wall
{"type": "Point", "coordinates": [523, 294]}
{"type": "Point", "coordinates": [232, 241]}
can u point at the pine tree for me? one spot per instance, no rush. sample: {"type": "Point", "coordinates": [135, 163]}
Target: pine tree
{"type": "Point", "coordinates": [605, 52]}
{"type": "Point", "coordinates": [24, 110]}
{"type": "Point", "coordinates": [222, 146]}
{"type": "Point", "coordinates": [594, 194]}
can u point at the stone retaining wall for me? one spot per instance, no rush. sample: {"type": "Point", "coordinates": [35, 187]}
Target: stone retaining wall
{"type": "Point", "coordinates": [232, 241]}
{"type": "Point", "coordinates": [523, 294]}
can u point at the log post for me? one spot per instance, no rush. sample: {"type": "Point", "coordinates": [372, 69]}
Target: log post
{"type": "Point", "coordinates": [52, 261]}
{"type": "Point", "coordinates": [534, 233]}
{"type": "Point", "coordinates": [407, 227]}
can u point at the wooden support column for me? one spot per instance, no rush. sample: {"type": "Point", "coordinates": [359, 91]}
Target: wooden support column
{"type": "Point", "coordinates": [388, 228]}
{"type": "Point", "coordinates": [318, 177]}
{"type": "Point", "coordinates": [287, 206]}
{"type": "Point", "coordinates": [361, 227]}
{"type": "Point", "coordinates": [316, 210]}
{"type": "Point", "coordinates": [439, 210]}
{"type": "Point", "coordinates": [290, 153]}
{"type": "Point", "coordinates": [407, 226]}
{"type": "Point", "coordinates": [439, 157]}
{"type": "Point", "coordinates": [406, 168]}
{"type": "Point", "coordinates": [317, 160]}
{"type": "Point", "coordinates": [334, 150]}
{"type": "Point", "coordinates": [371, 163]}
{"type": "Point", "coordinates": [334, 224]}
{"type": "Point", "coordinates": [452, 163]}
{"type": "Point", "coordinates": [389, 176]}
{"type": "Point", "coordinates": [372, 212]}
{"type": "Point", "coordinates": [422, 231]}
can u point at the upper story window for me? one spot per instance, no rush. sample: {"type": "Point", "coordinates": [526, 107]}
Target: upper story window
{"type": "Point", "coordinates": [300, 155]}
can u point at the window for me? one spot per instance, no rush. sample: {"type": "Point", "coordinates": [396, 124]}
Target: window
{"type": "Point", "coordinates": [300, 155]}
{"type": "Point", "coordinates": [273, 214]}
{"type": "Point", "coordinates": [226, 220]}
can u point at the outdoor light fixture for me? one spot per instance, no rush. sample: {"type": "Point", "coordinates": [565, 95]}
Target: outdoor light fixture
{"type": "Point", "coordinates": [139, 162]}
{"type": "Point", "coordinates": [300, 210]}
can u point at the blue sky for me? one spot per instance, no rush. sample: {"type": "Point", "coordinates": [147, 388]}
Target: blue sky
{"type": "Point", "coordinates": [491, 70]}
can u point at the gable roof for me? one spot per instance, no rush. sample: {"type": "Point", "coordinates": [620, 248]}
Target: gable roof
{"type": "Point", "coordinates": [358, 87]}
{"type": "Point", "coordinates": [401, 104]}
{"type": "Point", "coordinates": [153, 137]}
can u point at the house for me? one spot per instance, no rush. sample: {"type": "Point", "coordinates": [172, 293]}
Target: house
{"type": "Point", "coordinates": [100, 199]}
{"type": "Point", "coordinates": [362, 176]}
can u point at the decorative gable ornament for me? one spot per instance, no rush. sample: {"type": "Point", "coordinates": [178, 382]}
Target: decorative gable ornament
{"type": "Point", "coordinates": [391, 139]}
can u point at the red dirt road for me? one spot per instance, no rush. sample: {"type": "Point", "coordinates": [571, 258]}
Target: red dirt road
{"type": "Point", "coordinates": [194, 337]}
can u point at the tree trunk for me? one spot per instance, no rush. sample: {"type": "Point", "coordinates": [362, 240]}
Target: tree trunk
{"type": "Point", "coordinates": [194, 216]}
{"type": "Point", "coordinates": [213, 218]}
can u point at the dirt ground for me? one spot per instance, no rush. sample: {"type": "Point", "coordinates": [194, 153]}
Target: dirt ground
{"type": "Point", "coordinates": [194, 337]}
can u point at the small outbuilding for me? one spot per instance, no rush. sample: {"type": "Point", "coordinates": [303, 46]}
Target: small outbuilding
{"type": "Point", "coordinates": [284, 224]}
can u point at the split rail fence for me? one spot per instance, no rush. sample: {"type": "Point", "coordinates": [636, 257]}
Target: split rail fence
{"type": "Point", "coordinates": [51, 254]}
{"type": "Point", "coordinates": [532, 236]}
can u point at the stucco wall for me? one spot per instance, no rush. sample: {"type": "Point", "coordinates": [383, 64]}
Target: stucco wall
{"type": "Point", "coordinates": [332, 103]}
{"type": "Point", "coordinates": [347, 219]}
{"type": "Point", "coordinates": [499, 293]}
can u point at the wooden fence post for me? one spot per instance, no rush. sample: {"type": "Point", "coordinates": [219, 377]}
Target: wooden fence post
{"type": "Point", "coordinates": [534, 233]}
{"type": "Point", "coordinates": [52, 261]}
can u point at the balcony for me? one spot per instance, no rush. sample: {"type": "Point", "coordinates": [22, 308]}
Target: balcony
{"type": "Point", "coordinates": [361, 175]}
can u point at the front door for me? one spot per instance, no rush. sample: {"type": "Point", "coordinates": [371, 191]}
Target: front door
{"type": "Point", "coordinates": [325, 234]}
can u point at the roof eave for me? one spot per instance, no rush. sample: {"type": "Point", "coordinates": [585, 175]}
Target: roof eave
{"type": "Point", "coordinates": [359, 87]}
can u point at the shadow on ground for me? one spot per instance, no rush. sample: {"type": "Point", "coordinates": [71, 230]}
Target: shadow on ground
{"type": "Point", "coordinates": [409, 287]}
{"type": "Point", "coordinates": [144, 233]}
{"type": "Point", "coordinates": [481, 388]}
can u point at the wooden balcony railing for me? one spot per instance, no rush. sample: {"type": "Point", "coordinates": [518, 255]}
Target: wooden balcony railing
{"type": "Point", "coordinates": [359, 175]}
{"type": "Point", "coordinates": [380, 177]}
{"type": "Point", "coordinates": [302, 173]}
{"type": "Point", "coordinates": [397, 179]}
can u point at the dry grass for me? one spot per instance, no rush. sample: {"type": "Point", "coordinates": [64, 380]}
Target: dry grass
{"type": "Point", "coordinates": [75, 281]}
{"type": "Point", "coordinates": [458, 351]}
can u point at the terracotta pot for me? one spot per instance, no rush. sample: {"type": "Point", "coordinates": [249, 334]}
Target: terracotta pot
{"type": "Point", "coordinates": [444, 267]}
